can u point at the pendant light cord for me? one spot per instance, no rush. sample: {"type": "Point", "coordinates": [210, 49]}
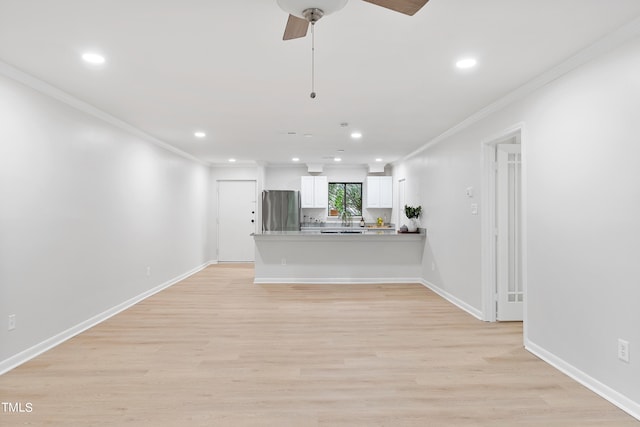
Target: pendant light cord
{"type": "Point", "coordinates": [313, 63]}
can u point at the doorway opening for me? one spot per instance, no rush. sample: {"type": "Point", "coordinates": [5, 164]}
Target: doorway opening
{"type": "Point", "coordinates": [503, 228]}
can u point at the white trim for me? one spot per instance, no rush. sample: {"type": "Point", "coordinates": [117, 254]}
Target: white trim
{"type": "Point", "coordinates": [621, 401]}
{"type": "Point", "coordinates": [36, 350]}
{"type": "Point", "coordinates": [53, 92]}
{"type": "Point", "coordinates": [487, 232]}
{"type": "Point", "coordinates": [488, 215]}
{"type": "Point", "coordinates": [336, 281]}
{"type": "Point", "coordinates": [596, 49]}
{"type": "Point", "coordinates": [523, 229]}
{"type": "Point", "coordinates": [453, 300]}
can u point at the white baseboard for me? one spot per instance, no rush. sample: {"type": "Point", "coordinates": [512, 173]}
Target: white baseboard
{"type": "Point", "coordinates": [606, 392]}
{"type": "Point", "coordinates": [453, 300]}
{"type": "Point", "coordinates": [28, 354]}
{"type": "Point", "coordinates": [331, 280]}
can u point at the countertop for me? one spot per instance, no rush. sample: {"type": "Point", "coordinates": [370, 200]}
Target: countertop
{"type": "Point", "coordinates": [331, 227]}
{"type": "Point", "coordinates": [368, 234]}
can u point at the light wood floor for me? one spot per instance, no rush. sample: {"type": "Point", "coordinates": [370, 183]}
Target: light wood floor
{"type": "Point", "coordinates": [217, 350]}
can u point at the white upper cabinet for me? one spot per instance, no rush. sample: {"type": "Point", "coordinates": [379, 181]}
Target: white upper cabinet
{"type": "Point", "coordinates": [306, 191]}
{"type": "Point", "coordinates": [379, 192]}
{"type": "Point", "coordinates": [314, 191]}
{"type": "Point", "coordinates": [320, 192]}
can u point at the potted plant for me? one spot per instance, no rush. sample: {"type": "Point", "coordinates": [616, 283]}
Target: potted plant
{"type": "Point", "coordinates": [412, 214]}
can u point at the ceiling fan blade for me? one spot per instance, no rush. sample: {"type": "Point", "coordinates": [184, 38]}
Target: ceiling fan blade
{"type": "Point", "coordinates": [296, 28]}
{"type": "Point", "coordinates": [408, 7]}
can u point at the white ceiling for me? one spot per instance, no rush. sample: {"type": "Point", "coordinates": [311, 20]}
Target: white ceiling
{"type": "Point", "coordinates": [177, 66]}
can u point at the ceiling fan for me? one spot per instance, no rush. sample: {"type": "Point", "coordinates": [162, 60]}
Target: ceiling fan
{"type": "Point", "coordinates": [305, 12]}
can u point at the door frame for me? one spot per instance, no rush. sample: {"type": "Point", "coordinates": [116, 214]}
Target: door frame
{"type": "Point", "coordinates": [401, 199]}
{"type": "Point", "coordinates": [488, 211]}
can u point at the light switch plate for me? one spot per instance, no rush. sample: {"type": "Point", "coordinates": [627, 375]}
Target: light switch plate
{"type": "Point", "coordinates": [469, 192]}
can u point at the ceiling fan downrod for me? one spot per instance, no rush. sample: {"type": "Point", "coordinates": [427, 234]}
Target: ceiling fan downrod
{"type": "Point", "coordinates": [313, 15]}
{"type": "Point", "coordinates": [313, 54]}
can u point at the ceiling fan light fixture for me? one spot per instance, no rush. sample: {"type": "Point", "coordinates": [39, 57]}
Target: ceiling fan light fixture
{"type": "Point", "coordinates": [297, 7]}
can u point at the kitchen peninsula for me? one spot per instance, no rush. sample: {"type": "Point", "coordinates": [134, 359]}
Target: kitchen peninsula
{"type": "Point", "coordinates": [350, 255]}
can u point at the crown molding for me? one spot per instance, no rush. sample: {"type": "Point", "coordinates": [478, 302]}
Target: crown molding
{"type": "Point", "coordinates": [47, 89]}
{"type": "Point", "coordinates": [597, 49]}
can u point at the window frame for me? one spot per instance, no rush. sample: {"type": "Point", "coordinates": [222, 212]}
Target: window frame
{"type": "Point", "coordinates": [345, 206]}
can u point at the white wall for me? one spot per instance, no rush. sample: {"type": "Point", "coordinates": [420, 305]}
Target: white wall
{"type": "Point", "coordinates": [437, 181]}
{"type": "Point", "coordinates": [85, 208]}
{"type": "Point", "coordinates": [581, 154]}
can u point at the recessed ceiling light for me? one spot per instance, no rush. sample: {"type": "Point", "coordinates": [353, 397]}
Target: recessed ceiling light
{"type": "Point", "coordinates": [466, 63]}
{"type": "Point", "coordinates": [93, 58]}
{"type": "Point", "coordinates": [378, 159]}
{"type": "Point", "coordinates": [199, 134]}
{"type": "Point", "coordinates": [356, 135]}
{"type": "Point", "coordinates": [337, 159]}
{"type": "Point", "coordinates": [232, 160]}
{"type": "Point", "coordinates": [295, 159]}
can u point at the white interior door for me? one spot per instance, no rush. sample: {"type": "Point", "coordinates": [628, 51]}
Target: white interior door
{"type": "Point", "coordinates": [236, 220]}
{"type": "Point", "coordinates": [510, 292]}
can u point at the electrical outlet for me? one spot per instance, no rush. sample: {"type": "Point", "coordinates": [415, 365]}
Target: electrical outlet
{"type": "Point", "coordinates": [284, 261]}
{"type": "Point", "coordinates": [148, 271]}
{"type": "Point", "coordinates": [12, 322]}
{"type": "Point", "coordinates": [623, 350]}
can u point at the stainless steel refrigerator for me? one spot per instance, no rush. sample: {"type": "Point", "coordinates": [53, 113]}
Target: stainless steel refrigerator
{"type": "Point", "coordinates": [280, 210]}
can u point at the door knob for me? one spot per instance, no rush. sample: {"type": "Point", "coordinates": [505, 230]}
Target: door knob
{"type": "Point", "coordinates": [253, 220]}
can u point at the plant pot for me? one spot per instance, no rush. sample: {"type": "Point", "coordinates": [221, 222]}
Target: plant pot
{"type": "Point", "coordinates": [413, 225]}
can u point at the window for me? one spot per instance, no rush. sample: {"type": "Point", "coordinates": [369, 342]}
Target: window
{"type": "Point", "coordinates": [345, 197]}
